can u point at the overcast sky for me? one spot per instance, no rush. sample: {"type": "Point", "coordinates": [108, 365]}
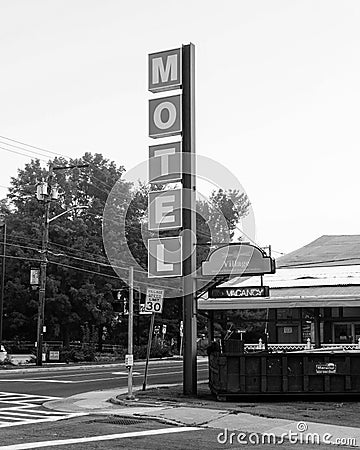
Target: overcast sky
{"type": "Point", "coordinates": [277, 95]}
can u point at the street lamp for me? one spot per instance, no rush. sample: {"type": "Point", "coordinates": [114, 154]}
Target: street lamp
{"type": "Point", "coordinates": [2, 224]}
{"type": "Point", "coordinates": [43, 194]}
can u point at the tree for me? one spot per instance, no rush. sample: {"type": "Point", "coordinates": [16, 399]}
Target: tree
{"type": "Point", "coordinates": [80, 278]}
{"type": "Point", "coordinates": [218, 218]}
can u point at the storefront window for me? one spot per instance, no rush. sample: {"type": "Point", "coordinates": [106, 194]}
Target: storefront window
{"type": "Point", "coordinates": [351, 312]}
{"type": "Point", "coordinates": [287, 314]}
{"type": "Point", "coordinates": [342, 333]}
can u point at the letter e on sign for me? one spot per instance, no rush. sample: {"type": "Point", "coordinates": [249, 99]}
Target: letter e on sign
{"type": "Point", "coordinates": [165, 210]}
{"type": "Point", "coordinates": [165, 70]}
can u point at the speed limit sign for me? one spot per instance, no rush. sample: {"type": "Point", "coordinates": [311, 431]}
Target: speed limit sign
{"type": "Point", "coordinates": [154, 300]}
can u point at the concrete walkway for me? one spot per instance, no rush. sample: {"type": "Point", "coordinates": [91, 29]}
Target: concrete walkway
{"type": "Point", "coordinates": [105, 402]}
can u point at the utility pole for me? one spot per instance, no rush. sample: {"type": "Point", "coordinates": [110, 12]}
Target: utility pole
{"type": "Point", "coordinates": [46, 192]}
{"type": "Point", "coordinates": [3, 224]}
{"type": "Point", "coordinates": [45, 195]}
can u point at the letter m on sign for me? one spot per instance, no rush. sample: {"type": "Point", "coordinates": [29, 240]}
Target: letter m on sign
{"type": "Point", "coordinates": [165, 70]}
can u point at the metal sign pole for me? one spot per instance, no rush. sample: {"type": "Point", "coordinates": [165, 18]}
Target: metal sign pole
{"type": "Point", "coordinates": [130, 395]}
{"type": "Point", "coordinates": [2, 278]}
{"type": "Point", "coordinates": [189, 220]}
{"type": "Point", "coordinates": [148, 349]}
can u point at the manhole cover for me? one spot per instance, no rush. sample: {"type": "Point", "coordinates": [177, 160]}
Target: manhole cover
{"type": "Point", "coordinates": [119, 420]}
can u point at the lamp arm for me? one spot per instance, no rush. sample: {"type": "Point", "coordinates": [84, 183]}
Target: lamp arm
{"type": "Point", "coordinates": [65, 212]}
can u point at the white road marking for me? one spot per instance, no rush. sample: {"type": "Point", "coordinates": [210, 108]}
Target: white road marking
{"type": "Point", "coordinates": [91, 380]}
{"type": "Point", "coordinates": [40, 380]}
{"type": "Point", "coordinates": [125, 373]}
{"type": "Point", "coordinates": [106, 437]}
{"type": "Point", "coordinates": [25, 411]}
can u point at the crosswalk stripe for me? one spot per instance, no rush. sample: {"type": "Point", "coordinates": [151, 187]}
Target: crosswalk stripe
{"type": "Point", "coordinates": [28, 410]}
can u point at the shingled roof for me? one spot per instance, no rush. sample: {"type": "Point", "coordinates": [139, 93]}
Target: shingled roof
{"type": "Point", "coordinates": [327, 250]}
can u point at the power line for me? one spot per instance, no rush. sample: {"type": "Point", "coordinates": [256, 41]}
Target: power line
{"type": "Point", "coordinates": [22, 154]}
{"type": "Point", "coordinates": [111, 276]}
{"type": "Point", "coordinates": [33, 146]}
{"type": "Point", "coordinates": [22, 148]}
{"type": "Point", "coordinates": [22, 258]}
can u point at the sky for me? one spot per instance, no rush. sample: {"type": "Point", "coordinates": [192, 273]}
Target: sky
{"type": "Point", "coordinates": [277, 95]}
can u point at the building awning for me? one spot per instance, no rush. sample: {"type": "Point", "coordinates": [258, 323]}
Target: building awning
{"type": "Point", "coordinates": [282, 302]}
{"type": "Point", "coordinates": [299, 297]}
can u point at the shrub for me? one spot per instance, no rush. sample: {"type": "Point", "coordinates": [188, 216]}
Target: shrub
{"type": "Point", "coordinates": [77, 355]}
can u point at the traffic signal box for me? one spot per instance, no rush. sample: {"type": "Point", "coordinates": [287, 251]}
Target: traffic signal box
{"type": "Point", "coordinates": [121, 301]}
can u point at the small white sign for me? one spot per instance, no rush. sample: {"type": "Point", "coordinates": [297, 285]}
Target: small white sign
{"type": "Point", "coordinates": [34, 277]}
{"type": "Point", "coordinates": [154, 300]}
{"type": "Point", "coordinates": [54, 355]}
{"type": "Point", "coordinates": [129, 360]}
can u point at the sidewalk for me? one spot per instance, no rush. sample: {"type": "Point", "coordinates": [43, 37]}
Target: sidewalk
{"type": "Point", "coordinates": [203, 414]}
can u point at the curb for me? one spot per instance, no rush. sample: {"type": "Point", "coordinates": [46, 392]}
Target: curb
{"type": "Point", "coordinates": [65, 366]}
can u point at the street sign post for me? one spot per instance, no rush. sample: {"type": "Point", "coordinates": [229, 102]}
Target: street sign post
{"type": "Point", "coordinates": [153, 304]}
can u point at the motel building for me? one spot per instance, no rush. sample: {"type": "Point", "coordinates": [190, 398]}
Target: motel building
{"type": "Point", "coordinates": [313, 298]}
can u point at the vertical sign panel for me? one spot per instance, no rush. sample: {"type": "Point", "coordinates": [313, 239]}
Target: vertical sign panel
{"type": "Point", "coordinates": [165, 70]}
{"type": "Point", "coordinates": [165, 116]}
{"type": "Point", "coordinates": [164, 257]}
{"type": "Point", "coordinates": [165, 210]}
{"type": "Point", "coordinates": [165, 163]}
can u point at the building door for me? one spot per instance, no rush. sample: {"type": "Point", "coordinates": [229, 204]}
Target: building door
{"type": "Point", "coordinates": [288, 334]}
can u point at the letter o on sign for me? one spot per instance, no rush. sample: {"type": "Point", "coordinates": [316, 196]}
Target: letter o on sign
{"type": "Point", "coordinates": [170, 107]}
{"type": "Point", "coordinates": [165, 116]}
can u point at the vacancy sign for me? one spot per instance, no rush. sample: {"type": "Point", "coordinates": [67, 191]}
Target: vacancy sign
{"type": "Point", "coordinates": [164, 257]}
{"type": "Point", "coordinates": [165, 210]}
{"type": "Point", "coordinates": [165, 164]}
{"type": "Point", "coordinates": [154, 300]}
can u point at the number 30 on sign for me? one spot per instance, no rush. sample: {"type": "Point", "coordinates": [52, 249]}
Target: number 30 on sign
{"type": "Point", "coordinates": [154, 300]}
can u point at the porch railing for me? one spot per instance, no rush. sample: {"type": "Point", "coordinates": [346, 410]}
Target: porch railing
{"type": "Point", "coordinates": [298, 347]}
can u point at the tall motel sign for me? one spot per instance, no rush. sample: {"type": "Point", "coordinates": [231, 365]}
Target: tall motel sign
{"type": "Point", "coordinates": [174, 115]}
